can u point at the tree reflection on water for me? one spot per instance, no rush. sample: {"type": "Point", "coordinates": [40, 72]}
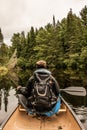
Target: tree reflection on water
{"type": "Point", "coordinates": [7, 98]}
{"type": "Point", "coordinates": [0, 99]}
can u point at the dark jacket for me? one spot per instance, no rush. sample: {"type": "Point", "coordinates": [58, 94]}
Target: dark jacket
{"type": "Point", "coordinates": [26, 91]}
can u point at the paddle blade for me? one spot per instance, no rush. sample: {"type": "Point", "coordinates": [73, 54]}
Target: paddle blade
{"type": "Point", "coordinates": [77, 91]}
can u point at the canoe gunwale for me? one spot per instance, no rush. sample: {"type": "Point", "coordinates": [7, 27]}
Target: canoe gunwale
{"type": "Point", "coordinates": [8, 116]}
{"type": "Point", "coordinates": [74, 115]}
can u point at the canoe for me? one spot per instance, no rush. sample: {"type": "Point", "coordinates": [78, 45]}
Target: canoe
{"type": "Point", "coordinates": [65, 119]}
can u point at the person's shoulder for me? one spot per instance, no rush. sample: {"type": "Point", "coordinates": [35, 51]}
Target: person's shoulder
{"type": "Point", "coordinates": [52, 77]}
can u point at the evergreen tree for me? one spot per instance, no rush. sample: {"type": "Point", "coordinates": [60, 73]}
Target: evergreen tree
{"type": "Point", "coordinates": [1, 37]}
{"type": "Point", "coordinates": [54, 24]}
{"type": "Point", "coordinates": [22, 44]}
{"type": "Point", "coordinates": [31, 42]}
{"type": "Point", "coordinates": [83, 14]}
{"type": "Point", "coordinates": [73, 32]}
{"type": "Point", "coordinates": [3, 53]}
{"type": "Point", "coordinates": [16, 44]}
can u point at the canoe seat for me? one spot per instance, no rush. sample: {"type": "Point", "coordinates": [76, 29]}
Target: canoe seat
{"type": "Point", "coordinates": [62, 108]}
{"type": "Point", "coordinates": [20, 108]}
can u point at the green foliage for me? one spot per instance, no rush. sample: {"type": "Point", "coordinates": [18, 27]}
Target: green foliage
{"type": "Point", "coordinates": [63, 44]}
{"type": "Point", "coordinates": [83, 14]}
{"type": "Point", "coordinates": [1, 36]}
{"type": "Point", "coordinates": [4, 53]}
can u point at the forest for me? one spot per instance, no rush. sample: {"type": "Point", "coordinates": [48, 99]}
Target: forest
{"type": "Point", "coordinates": [63, 44]}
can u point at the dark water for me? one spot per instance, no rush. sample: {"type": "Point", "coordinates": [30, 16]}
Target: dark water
{"type": "Point", "coordinates": [79, 106]}
{"type": "Point", "coordinates": [8, 101]}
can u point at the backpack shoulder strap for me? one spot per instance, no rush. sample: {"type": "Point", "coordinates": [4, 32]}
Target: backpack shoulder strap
{"type": "Point", "coordinates": [37, 76]}
{"type": "Point", "coordinates": [46, 77]}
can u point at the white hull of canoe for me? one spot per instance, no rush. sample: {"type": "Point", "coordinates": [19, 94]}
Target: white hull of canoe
{"type": "Point", "coordinates": [64, 120]}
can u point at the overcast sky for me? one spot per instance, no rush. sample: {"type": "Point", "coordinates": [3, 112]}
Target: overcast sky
{"type": "Point", "coordinates": [20, 15]}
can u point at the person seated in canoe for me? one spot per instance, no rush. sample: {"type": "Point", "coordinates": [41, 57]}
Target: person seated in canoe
{"type": "Point", "coordinates": [41, 94]}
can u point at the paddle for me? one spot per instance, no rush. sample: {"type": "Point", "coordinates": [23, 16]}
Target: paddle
{"type": "Point", "coordinates": [73, 90]}
{"type": "Point", "coordinates": [77, 91]}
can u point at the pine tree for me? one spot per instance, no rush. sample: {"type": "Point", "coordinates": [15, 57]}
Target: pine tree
{"type": "Point", "coordinates": [73, 32]}
{"type": "Point", "coordinates": [1, 37]}
{"type": "Point", "coordinates": [54, 24]}
{"type": "Point", "coordinates": [83, 14]}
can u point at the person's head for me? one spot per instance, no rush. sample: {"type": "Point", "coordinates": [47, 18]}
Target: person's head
{"type": "Point", "coordinates": [41, 64]}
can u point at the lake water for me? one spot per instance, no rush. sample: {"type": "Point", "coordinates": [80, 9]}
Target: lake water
{"type": "Point", "coordinates": [8, 101]}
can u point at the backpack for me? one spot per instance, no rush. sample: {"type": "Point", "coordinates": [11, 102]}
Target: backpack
{"type": "Point", "coordinates": [44, 98]}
